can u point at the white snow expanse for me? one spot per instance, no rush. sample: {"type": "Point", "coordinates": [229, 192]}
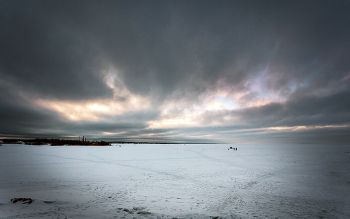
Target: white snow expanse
{"type": "Point", "coordinates": [175, 181]}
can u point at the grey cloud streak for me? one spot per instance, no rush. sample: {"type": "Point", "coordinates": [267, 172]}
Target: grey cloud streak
{"type": "Point", "coordinates": [331, 110]}
{"type": "Point", "coordinates": [175, 51]}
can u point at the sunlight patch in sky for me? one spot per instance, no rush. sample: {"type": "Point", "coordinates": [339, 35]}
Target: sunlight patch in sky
{"type": "Point", "coordinates": [113, 133]}
{"type": "Point", "coordinates": [172, 123]}
{"type": "Point", "coordinates": [302, 128]}
{"type": "Point", "coordinates": [93, 110]}
{"type": "Point", "coordinates": [96, 109]}
{"type": "Point", "coordinates": [227, 102]}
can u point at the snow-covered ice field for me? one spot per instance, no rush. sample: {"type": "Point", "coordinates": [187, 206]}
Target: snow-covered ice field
{"type": "Point", "coordinates": [175, 181]}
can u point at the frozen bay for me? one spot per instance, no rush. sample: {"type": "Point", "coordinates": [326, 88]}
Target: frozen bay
{"type": "Point", "coordinates": [175, 181]}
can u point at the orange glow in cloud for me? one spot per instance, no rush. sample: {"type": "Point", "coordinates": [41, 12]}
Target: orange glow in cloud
{"type": "Point", "coordinates": [258, 103]}
{"type": "Point", "coordinates": [283, 128]}
{"type": "Point", "coordinates": [235, 100]}
{"type": "Point", "coordinates": [215, 106]}
{"type": "Point", "coordinates": [95, 109]}
{"type": "Point", "coordinates": [173, 113]}
{"type": "Point", "coordinates": [299, 128]}
{"type": "Point", "coordinates": [172, 123]}
{"type": "Point", "coordinates": [113, 133]}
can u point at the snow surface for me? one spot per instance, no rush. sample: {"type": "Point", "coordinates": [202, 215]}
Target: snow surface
{"type": "Point", "coordinates": [175, 181]}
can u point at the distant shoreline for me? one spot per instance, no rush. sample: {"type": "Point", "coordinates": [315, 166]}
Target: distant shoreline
{"type": "Point", "coordinates": [64, 142]}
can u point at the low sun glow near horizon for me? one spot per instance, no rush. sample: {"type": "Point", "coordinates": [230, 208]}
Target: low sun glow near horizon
{"type": "Point", "coordinates": [189, 115]}
{"type": "Point", "coordinates": [95, 110]}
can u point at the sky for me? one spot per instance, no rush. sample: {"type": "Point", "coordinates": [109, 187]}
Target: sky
{"type": "Point", "coordinates": [253, 72]}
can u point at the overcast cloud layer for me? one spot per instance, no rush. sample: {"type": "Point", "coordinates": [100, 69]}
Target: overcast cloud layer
{"type": "Point", "coordinates": [176, 71]}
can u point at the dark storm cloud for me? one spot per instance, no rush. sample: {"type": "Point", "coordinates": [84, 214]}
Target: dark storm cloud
{"type": "Point", "coordinates": [175, 50]}
{"type": "Point", "coordinates": [53, 45]}
{"type": "Point", "coordinates": [45, 56]}
{"type": "Point", "coordinates": [19, 117]}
